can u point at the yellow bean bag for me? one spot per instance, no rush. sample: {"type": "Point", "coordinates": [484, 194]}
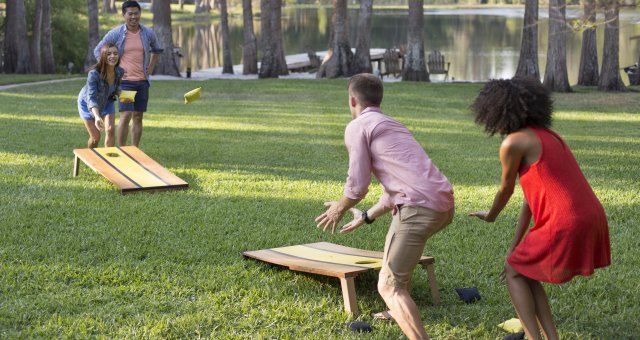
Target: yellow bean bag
{"type": "Point", "coordinates": [128, 96]}
{"type": "Point", "coordinates": [192, 95]}
{"type": "Point", "coordinates": [512, 326]}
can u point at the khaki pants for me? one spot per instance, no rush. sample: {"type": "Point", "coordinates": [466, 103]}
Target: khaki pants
{"type": "Point", "coordinates": [408, 233]}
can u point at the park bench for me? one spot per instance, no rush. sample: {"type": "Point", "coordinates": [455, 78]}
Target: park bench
{"type": "Point", "coordinates": [436, 64]}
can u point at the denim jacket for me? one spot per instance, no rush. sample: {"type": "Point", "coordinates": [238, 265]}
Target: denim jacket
{"type": "Point", "coordinates": [96, 92]}
{"type": "Point", "coordinates": [150, 43]}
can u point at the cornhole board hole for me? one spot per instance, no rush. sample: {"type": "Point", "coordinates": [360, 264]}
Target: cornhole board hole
{"type": "Point", "coordinates": [128, 168]}
{"type": "Point", "coordinates": [328, 259]}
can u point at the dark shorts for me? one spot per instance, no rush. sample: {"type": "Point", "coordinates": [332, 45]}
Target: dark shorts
{"type": "Point", "coordinates": [142, 95]}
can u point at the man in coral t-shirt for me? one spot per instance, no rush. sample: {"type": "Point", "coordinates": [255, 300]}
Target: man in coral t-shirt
{"type": "Point", "coordinates": [138, 47]}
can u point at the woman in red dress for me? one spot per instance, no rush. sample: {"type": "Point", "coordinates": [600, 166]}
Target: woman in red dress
{"type": "Point", "coordinates": [570, 235]}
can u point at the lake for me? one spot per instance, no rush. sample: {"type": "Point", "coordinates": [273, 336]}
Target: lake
{"type": "Point", "coordinates": [480, 43]}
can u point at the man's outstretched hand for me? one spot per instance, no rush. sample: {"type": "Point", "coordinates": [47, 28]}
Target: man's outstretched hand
{"type": "Point", "coordinates": [330, 217]}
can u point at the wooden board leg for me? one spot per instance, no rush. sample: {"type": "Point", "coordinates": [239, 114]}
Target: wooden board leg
{"type": "Point", "coordinates": [433, 283]}
{"type": "Point", "coordinates": [349, 295]}
{"type": "Point", "coordinates": [76, 165]}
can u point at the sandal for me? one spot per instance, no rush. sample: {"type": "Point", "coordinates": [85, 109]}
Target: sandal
{"type": "Point", "coordinates": [383, 316]}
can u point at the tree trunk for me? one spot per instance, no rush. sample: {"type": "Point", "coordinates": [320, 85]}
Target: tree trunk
{"type": "Point", "coordinates": [362, 60]}
{"type": "Point", "coordinates": [269, 63]}
{"type": "Point", "coordinates": [250, 46]}
{"type": "Point", "coordinates": [94, 33]}
{"type": "Point", "coordinates": [36, 39]}
{"type": "Point", "coordinates": [17, 58]}
{"type": "Point", "coordinates": [227, 63]}
{"type": "Point", "coordinates": [276, 29]}
{"type": "Point", "coordinates": [610, 79]}
{"type": "Point", "coordinates": [556, 77]}
{"type": "Point", "coordinates": [339, 59]}
{"type": "Point", "coordinates": [415, 68]}
{"type": "Point", "coordinates": [528, 61]}
{"type": "Point", "coordinates": [109, 6]}
{"type": "Point", "coordinates": [588, 74]}
{"type": "Point", "coordinates": [167, 60]}
{"type": "Point", "coordinates": [48, 63]}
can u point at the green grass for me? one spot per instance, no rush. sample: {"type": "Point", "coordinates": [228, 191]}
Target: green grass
{"type": "Point", "coordinates": [79, 260]}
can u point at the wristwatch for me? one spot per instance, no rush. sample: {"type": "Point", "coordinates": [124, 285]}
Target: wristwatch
{"type": "Point", "coordinates": [366, 219]}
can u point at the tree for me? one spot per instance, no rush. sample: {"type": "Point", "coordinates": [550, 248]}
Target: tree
{"type": "Point", "coordinates": [362, 60]}
{"type": "Point", "coordinates": [227, 64]}
{"type": "Point", "coordinates": [250, 46]}
{"type": "Point", "coordinates": [610, 79]}
{"type": "Point", "coordinates": [17, 58]}
{"type": "Point", "coordinates": [556, 77]}
{"type": "Point", "coordinates": [36, 38]}
{"type": "Point", "coordinates": [339, 59]}
{"type": "Point", "coordinates": [167, 63]}
{"type": "Point", "coordinates": [276, 27]}
{"type": "Point", "coordinates": [94, 33]}
{"type": "Point", "coordinates": [272, 62]}
{"type": "Point", "coordinates": [109, 6]}
{"type": "Point", "coordinates": [588, 74]}
{"type": "Point", "coordinates": [48, 62]}
{"type": "Point", "coordinates": [415, 68]}
{"type": "Point", "coordinates": [528, 61]}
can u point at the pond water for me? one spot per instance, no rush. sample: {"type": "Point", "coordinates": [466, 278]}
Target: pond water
{"type": "Point", "coordinates": [480, 43]}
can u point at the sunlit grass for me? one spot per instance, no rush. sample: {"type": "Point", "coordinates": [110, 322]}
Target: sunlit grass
{"type": "Point", "coordinates": [79, 260]}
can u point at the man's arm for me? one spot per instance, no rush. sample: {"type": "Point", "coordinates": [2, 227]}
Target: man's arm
{"type": "Point", "coordinates": [374, 212]}
{"type": "Point", "coordinates": [110, 37]}
{"type": "Point", "coordinates": [152, 63]}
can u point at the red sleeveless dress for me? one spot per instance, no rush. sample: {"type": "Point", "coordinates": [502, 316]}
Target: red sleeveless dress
{"type": "Point", "coordinates": [570, 234]}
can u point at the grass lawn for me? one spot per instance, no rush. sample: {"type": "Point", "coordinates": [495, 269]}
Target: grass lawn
{"type": "Point", "coordinates": [79, 260]}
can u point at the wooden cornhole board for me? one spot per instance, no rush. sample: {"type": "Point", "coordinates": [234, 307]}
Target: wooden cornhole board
{"type": "Point", "coordinates": [128, 168]}
{"type": "Point", "coordinates": [324, 258]}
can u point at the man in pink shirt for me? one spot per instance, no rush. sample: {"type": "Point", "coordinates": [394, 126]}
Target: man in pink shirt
{"type": "Point", "coordinates": [417, 193]}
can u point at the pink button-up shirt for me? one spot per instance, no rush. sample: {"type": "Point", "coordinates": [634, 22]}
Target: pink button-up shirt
{"type": "Point", "coordinates": [380, 145]}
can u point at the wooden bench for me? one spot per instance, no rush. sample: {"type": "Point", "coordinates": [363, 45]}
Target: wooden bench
{"type": "Point", "coordinates": [328, 259]}
{"type": "Point", "coordinates": [436, 64]}
{"type": "Point", "coordinates": [393, 63]}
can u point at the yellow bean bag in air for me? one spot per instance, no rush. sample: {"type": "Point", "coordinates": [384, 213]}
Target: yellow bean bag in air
{"type": "Point", "coordinates": [128, 96]}
{"type": "Point", "coordinates": [192, 95]}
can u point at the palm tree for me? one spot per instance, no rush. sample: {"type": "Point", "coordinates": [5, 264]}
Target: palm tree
{"type": "Point", "coordinates": [588, 74]}
{"type": "Point", "coordinates": [36, 38]}
{"type": "Point", "coordinates": [415, 68]}
{"type": "Point", "coordinates": [48, 63]}
{"type": "Point", "coordinates": [528, 61]}
{"type": "Point", "coordinates": [227, 64]}
{"type": "Point", "coordinates": [362, 60]}
{"type": "Point", "coordinates": [167, 63]}
{"type": "Point", "coordinates": [94, 33]}
{"type": "Point", "coordinates": [339, 59]}
{"type": "Point", "coordinates": [250, 46]}
{"type": "Point", "coordinates": [17, 58]}
{"type": "Point", "coordinates": [610, 79]}
{"type": "Point", "coordinates": [556, 77]}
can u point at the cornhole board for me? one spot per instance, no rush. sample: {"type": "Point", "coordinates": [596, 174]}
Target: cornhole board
{"type": "Point", "coordinates": [128, 168]}
{"type": "Point", "coordinates": [328, 259]}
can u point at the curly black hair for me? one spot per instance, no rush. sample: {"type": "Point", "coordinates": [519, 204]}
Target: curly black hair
{"type": "Point", "coordinates": [507, 105]}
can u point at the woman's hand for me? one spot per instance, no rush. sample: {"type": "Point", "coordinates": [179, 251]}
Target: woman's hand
{"type": "Point", "coordinates": [482, 215]}
{"type": "Point", "coordinates": [99, 123]}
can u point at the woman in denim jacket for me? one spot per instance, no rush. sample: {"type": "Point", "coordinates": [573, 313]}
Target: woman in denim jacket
{"type": "Point", "coordinates": [96, 99]}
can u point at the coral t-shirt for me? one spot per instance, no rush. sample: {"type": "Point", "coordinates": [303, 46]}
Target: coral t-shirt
{"type": "Point", "coordinates": [132, 59]}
